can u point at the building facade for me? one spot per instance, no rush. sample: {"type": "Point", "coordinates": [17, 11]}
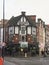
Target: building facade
{"type": "Point", "coordinates": [1, 29]}
{"type": "Point", "coordinates": [21, 30]}
{"type": "Point", "coordinates": [41, 35]}
{"type": "Point", "coordinates": [47, 37]}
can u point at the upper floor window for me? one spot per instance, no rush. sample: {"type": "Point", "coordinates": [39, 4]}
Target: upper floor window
{"type": "Point", "coordinates": [16, 30]}
{"type": "Point", "coordinates": [23, 28]}
{"type": "Point", "coordinates": [11, 30]}
{"type": "Point", "coordinates": [28, 30]}
{"type": "Point", "coordinates": [33, 30]}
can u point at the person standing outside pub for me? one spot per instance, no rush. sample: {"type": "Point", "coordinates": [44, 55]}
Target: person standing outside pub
{"type": "Point", "coordinates": [3, 50]}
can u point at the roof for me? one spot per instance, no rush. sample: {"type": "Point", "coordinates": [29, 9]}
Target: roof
{"type": "Point", "coordinates": [31, 19]}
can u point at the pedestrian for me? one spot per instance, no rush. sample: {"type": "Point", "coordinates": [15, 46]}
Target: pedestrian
{"type": "Point", "coordinates": [3, 49]}
{"type": "Point", "coordinates": [42, 52]}
{"type": "Point", "coordinates": [0, 52]}
{"type": "Point", "coordinates": [45, 54]}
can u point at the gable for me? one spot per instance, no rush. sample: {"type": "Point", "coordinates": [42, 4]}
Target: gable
{"type": "Point", "coordinates": [23, 21]}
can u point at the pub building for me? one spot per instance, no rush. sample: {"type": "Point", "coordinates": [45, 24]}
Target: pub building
{"type": "Point", "coordinates": [21, 31]}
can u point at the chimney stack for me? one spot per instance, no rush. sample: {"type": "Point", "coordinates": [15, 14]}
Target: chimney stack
{"type": "Point", "coordinates": [23, 13]}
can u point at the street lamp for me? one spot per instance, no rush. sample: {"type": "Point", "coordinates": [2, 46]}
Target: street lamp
{"type": "Point", "coordinates": [3, 44]}
{"type": "Point", "coordinates": [3, 19]}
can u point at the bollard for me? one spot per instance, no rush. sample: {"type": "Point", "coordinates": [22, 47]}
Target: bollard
{"type": "Point", "coordinates": [1, 61]}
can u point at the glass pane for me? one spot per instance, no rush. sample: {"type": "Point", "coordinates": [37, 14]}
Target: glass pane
{"type": "Point", "coordinates": [11, 30]}
{"type": "Point", "coordinates": [16, 30]}
{"type": "Point", "coordinates": [22, 31]}
{"type": "Point", "coordinates": [33, 30]}
{"type": "Point", "coordinates": [29, 30]}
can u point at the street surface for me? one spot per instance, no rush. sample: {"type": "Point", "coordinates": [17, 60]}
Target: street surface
{"type": "Point", "coordinates": [27, 61]}
{"type": "Point", "coordinates": [8, 63]}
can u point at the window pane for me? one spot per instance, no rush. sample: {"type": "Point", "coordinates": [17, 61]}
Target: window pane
{"type": "Point", "coordinates": [29, 30]}
{"type": "Point", "coordinates": [22, 31]}
{"type": "Point", "coordinates": [33, 30]}
{"type": "Point", "coordinates": [16, 30]}
{"type": "Point", "coordinates": [11, 30]}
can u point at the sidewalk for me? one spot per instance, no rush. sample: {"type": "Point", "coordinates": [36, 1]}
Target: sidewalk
{"type": "Point", "coordinates": [14, 59]}
{"type": "Point", "coordinates": [27, 61]}
{"type": "Point", "coordinates": [23, 57]}
{"type": "Point", "coordinates": [8, 63]}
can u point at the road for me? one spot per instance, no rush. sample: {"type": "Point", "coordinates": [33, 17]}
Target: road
{"type": "Point", "coordinates": [26, 61]}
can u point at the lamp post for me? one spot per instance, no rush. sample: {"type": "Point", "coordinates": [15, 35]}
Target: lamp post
{"type": "Point", "coordinates": [3, 44]}
{"type": "Point", "coordinates": [3, 19]}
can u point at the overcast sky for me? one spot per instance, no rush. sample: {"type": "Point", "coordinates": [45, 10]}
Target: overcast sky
{"type": "Point", "coordinates": [40, 8]}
